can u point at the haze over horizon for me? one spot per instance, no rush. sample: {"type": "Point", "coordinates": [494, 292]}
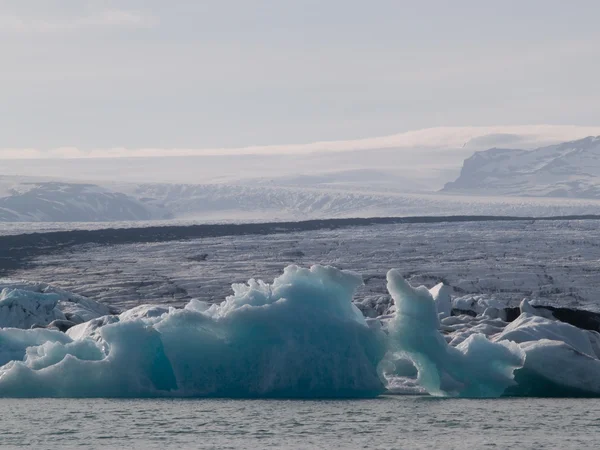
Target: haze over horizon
{"type": "Point", "coordinates": [241, 110]}
{"type": "Point", "coordinates": [119, 77]}
{"type": "Point", "coordinates": [440, 138]}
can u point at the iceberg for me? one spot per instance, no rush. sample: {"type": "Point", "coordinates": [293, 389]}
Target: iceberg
{"type": "Point", "coordinates": [24, 304]}
{"type": "Point", "coordinates": [443, 301]}
{"type": "Point", "coordinates": [477, 367]}
{"type": "Point", "coordinates": [555, 369]}
{"type": "Point", "coordinates": [300, 336]}
{"type": "Point", "coordinates": [561, 359]}
{"type": "Point", "coordinates": [24, 309]}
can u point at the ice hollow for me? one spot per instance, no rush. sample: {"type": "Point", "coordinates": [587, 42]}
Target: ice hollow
{"type": "Point", "coordinates": [476, 367]}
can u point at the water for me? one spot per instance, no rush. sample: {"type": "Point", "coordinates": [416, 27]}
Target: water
{"type": "Point", "coordinates": [384, 423]}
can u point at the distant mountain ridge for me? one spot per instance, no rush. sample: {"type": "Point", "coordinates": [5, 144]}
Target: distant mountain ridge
{"type": "Point", "coordinates": [70, 202]}
{"type": "Point", "coordinates": [493, 181]}
{"type": "Point", "coordinates": [570, 169]}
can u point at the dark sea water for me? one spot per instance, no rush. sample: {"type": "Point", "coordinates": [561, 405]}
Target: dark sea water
{"type": "Point", "coordinates": [403, 422]}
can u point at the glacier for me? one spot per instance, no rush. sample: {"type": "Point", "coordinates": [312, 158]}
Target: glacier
{"type": "Point", "coordinates": [300, 336]}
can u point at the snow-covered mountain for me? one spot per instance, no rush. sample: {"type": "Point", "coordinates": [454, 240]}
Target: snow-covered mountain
{"type": "Point", "coordinates": [383, 182]}
{"type": "Point", "coordinates": [412, 161]}
{"type": "Point", "coordinates": [570, 169]}
{"type": "Point", "coordinates": [68, 202]}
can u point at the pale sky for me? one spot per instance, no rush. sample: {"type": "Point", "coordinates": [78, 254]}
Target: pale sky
{"type": "Point", "coordinates": [224, 73]}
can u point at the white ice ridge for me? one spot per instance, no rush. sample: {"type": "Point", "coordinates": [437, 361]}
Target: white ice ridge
{"type": "Point", "coordinates": [299, 337]}
{"type": "Point", "coordinates": [25, 305]}
{"type": "Point", "coordinates": [476, 367]}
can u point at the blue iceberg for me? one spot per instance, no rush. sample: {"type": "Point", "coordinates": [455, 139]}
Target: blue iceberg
{"type": "Point", "coordinates": [299, 337]}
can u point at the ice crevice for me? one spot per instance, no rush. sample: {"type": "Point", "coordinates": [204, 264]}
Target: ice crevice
{"type": "Point", "coordinates": [300, 336]}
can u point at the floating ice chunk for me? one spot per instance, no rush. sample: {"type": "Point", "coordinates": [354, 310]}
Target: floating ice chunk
{"type": "Point", "coordinates": [40, 304]}
{"type": "Point", "coordinates": [555, 369]}
{"type": "Point", "coordinates": [477, 304]}
{"type": "Point", "coordinates": [24, 309]}
{"type": "Point", "coordinates": [561, 359]}
{"type": "Point", "coordinates": [83, 310]}
{"type": "Point", "coordinates": [298, 337]}
{"type": "Point", "coordinates": [144, 312]}
{"type": "Point", "coordinates": [90, 329]}
{"type": "Point", "coordinates": [476, 367]}
{"type": "Point", "coordinates": [495, 313]}
{"type": "Point", "coordinates": [373, 306]}
{"type": "Point", "coordinates": [132, 363]}
{"type": "Point", "coordinates": [61, 325]}
{"type": "Point", "coordinates": [526, 307]}
{"type": "Point", "coordinates": [528, 328]}
{"type": "Point", "coordinates": [484, 327]}
{"type": "Point", "coordinates": [14, 342]}
{"type": "Point", "coordinates": [441, 295]}
{"type": "Point", "coordinates": [197, 305]}
{"type": "Point", "coordinates": [454, 322]}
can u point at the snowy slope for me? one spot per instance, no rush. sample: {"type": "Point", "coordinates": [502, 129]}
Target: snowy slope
{"type": "Point", "coordinates": [570, 169]}
{"type": "Point", "coordinates": [421, 160]}
{"type": "Point", "coordinates": [268, 202]}
{"type": "Point", "coordinates": [348, 182]}
{"type": "Point", "coordinates": [68, 206]}
{"type": "Point", "coordinates": [67, 202]}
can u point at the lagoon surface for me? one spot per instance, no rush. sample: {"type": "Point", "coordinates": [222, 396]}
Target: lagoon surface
{"type": "Point", "coordinates": [389, 422]}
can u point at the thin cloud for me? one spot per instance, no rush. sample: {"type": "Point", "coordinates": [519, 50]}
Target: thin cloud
{"type": "Point", "coordinates": [14, 23]}
{"type": "Point", "coordinates": [526, 136]}
{"type": "Point", "coordinates": [22, 153]}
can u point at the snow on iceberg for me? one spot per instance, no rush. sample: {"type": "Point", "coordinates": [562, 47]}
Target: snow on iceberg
{"type": "Point", "coordinates": [298, 337]}
{"type": "Point", "coordinates": [24, 304]}
{"type": "Point", "coordinates": [555, 369]}
{"type": "Point", "coordinates": [442, 298]}
{"type": "Point", "coordinates": [528, 327]}
{"type": "Point", "coordinates": [561, 359]}
{"type": "Point", "coordinates": [24, 309]}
